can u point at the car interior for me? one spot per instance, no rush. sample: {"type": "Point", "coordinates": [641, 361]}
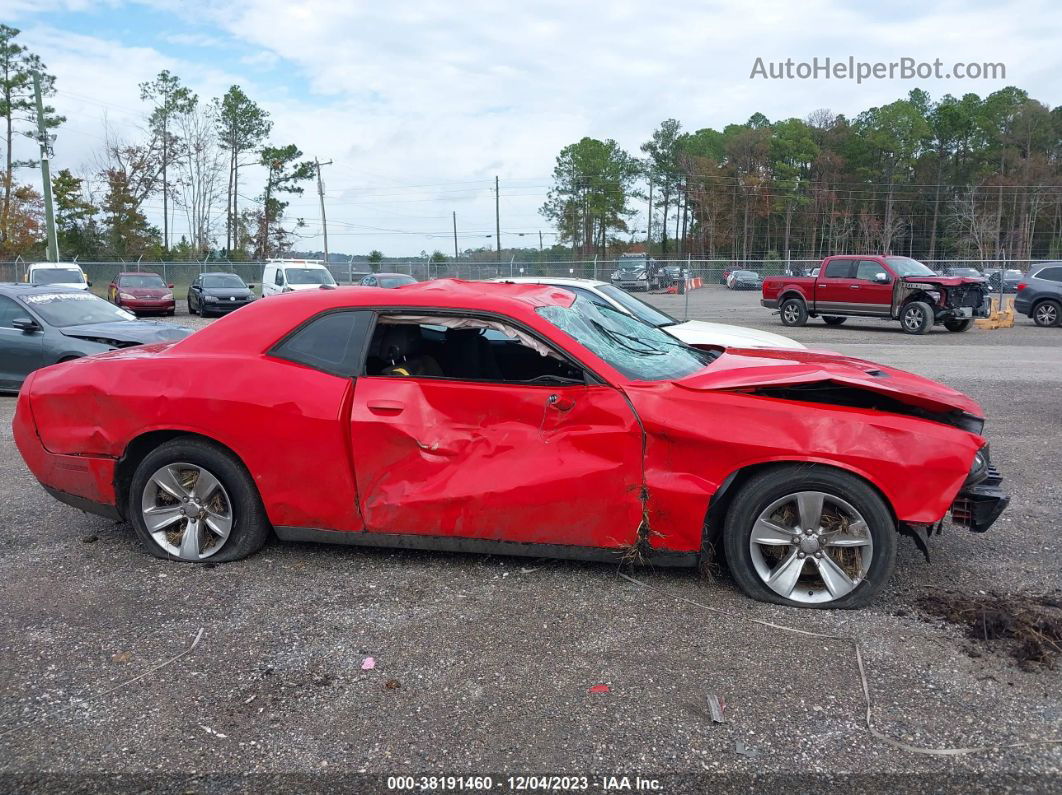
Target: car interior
{"type": "Point", "coordinates": [464, 349]}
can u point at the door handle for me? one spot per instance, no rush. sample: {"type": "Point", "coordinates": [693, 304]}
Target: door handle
{"type": "Point", "coordinates": [854, 286]}
{"type": "Point", "coordinates": [560, 403]}
{"type": "Point", "coordinates": [389, 407]}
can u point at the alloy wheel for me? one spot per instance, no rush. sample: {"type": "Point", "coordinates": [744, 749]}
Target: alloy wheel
{"type": "Point", "coordinates": [912, 318]}
{"type": "Point", "coordinates": [816, 528]}
{"type": "Point", "coordinates": [1046, 315]}
{"type": "Point", "coordinates": [187, 511]}
{"type": "Point", "coordinates": [791, 313]}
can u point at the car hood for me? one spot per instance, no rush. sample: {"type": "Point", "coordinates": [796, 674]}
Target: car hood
{"type": "Point", "coordinates": [227, 292]}
{"type": "Point", "coordinates": [136, 332]}
{"type": "Point", "coordinates": [297, 287]}
{"type": "Point", "coordinates": [70, 285]}
{"type": "Point", "coordinates": [944, 281]}
{"type": "Point", "coordinates": [752, 370]}
{"type": "Point", "coordinates": [146, 292]}
{"type": "Point", "coordinates": [699, 332]}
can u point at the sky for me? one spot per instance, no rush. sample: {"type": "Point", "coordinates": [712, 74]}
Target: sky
{"type": "Point", "coordinates": [420, 104]}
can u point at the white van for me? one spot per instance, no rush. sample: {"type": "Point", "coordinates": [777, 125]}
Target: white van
{"type": "Point", "coordinates": [288, 275]}
{"type": "Point", "coordinates": [58, 274]}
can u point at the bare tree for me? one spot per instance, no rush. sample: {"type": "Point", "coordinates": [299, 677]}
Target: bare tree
{"type": "Point", "coordinates": [199, 169]}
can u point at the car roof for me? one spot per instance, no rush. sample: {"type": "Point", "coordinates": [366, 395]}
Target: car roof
{"type": "Point", "coordinates": [262, 323]}
{"type": "Point", "coordinates": [388, 274]}
{"type": "Point", "coordinates": [22, 288]}
{"type": "Point", "coordinates": [139, 273]}
{"type": "Point", "coordinates": [219, 273]}
{"type": "Point", "coordinates": [572, 281]}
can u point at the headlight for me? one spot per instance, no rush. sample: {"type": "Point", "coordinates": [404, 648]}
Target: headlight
{"type": "Point", "coordinates": [167, 297]}
{"type": "Point", "coordinates": [979, 468]}
{"type": "Point", "coordinates": [126, 297]}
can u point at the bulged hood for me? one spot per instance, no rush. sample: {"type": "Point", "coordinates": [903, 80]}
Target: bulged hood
{"type": "Point", "coordinates": [722, 335]}
{"type": "Point", "coordinates": [944, 281]}
{"type": "Point", "coordinates": [753, 370]}
{"type": "Point", "coordinates": [136, 332]}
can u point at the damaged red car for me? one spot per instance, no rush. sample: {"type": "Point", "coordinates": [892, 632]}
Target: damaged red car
{"type": "Point", "coordinates": [510, 418]}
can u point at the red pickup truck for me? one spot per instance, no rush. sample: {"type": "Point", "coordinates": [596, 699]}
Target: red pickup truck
{"type": "Point", "coordinates": [898, 288]}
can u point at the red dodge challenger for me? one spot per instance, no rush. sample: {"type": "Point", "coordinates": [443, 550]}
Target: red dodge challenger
{"type": "Point", "coordinates": [510, 418]}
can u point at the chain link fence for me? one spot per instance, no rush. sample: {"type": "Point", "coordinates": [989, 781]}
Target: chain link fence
{"type": "Point", "coordinates": [711, 271]}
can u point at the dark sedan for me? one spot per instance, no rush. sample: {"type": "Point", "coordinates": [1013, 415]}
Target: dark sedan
{"type": "Point", "coordinates": [1007, 277]}
{"type": "Point", "coordinates": [41, 325]}
{"type": "Point", "coordinates": [388, 280]}
{"type": "Point", "coordinates": [744, 280]}
{"type": "Point", "coordinates": [218, 293]}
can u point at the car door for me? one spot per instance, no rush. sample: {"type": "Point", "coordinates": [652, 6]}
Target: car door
{"type": "Point", "coordinates": [21, 352]}
{"type": "Point", "coordinates": [835, 286]}
{"type": "Point", "coordinates": [495, 460]}
{"type": "Point", "coordinates": [872, 296]}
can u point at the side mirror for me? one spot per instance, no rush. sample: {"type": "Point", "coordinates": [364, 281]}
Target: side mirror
{"type": "Point", "coordinates": [250, 286]}
{"type": "Point", "coordinates": [26, 324]}
{"type": "Point", "coordinates": [170, 286]}
{"type": "Point", "coordinates": [881, 278]}
{"type": "Point", "coordinates": [88, 283]}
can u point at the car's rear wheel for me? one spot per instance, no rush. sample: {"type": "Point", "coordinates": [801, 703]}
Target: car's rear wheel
{"type": "Point", "coordinates": [958, 325]}
{"type": "Point", "coordinates": [810, 536]}
{"type": "Point", "coordinates": [794, 312]}
{"type": "Point", "coordinates": [833, 320]}
{"type": "Point", "coordinates": [191, 501]}
{"type": "Point", "coordinates": [916, 317]}
{"type": "Point", "coordinates": [1047, 313]}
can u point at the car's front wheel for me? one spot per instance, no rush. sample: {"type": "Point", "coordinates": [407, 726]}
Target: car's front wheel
{"type": "Point", "coordinates": [810, 536]}
{"type": "Point", "coordinates": [192, 501]}
{"type": "Point", "coordinates": [916, 317]}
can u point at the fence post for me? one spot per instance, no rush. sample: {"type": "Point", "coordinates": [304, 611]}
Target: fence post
{"type": "Point", "coordinates": [595, 267]}
{"type": "Point", "coordinates": [686, 290]}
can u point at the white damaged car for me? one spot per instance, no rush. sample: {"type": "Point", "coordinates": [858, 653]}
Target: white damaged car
{"type": "Point", "coordinates": [692, 332]}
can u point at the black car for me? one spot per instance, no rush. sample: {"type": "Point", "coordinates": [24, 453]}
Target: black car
{"type": "Point", "coordinates": [1040, 295]}
{"type": "Point", "coordinates": [1005, 278]}
{"type": "Point", "coordinates": [218, 293]}
{"type": "Point", "coordinates": [42, 325]}
{"type": "Point", "coordinates": [971, 273]}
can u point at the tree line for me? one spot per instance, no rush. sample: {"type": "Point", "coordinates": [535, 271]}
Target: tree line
{"type": "Point", "coordinates": [191, 155]}
{"type": "Point", "coordinates": [966, 177]}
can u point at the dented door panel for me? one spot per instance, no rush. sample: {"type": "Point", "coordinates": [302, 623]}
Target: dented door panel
{"type": "Point", "coordinates": [553, 465]}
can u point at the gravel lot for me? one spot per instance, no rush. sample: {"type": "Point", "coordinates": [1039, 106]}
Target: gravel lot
{"type": "Point", "coordinates": [490, 659]}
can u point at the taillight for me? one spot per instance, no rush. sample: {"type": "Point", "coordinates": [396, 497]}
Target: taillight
{"type": "Point", "coordinates": [1021, 286]}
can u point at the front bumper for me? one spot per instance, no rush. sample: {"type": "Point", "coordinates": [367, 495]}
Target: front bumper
{"type": "Point", "coordinates": [979, 505]}
{"type": "Point", "coordinates": [148, 305]}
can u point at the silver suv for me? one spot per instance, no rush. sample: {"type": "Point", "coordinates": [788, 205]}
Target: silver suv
{"type": "Point", "coordinates": [1040, 294]}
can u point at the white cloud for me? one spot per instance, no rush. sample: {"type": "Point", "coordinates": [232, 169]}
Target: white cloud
{"type": "Point", "coordinates": [431, 92]}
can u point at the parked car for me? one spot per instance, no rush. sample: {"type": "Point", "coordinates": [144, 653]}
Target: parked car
{"type": "Point", "coordinates": [971, 273]}
{"type": "Point", "coordinates": [218, 293]}
{"type": "Point", "coordinates": [141, 293]}
{"type": "Point", "coordinates": [636, 273]}
{"type": "Point", "coordinates": [1040, 295]}
{"type": "Point", "coordinates": [744, 280]}
{"type": "Point", "coordinates": [517, 419]}
{"type": "Point", "coordinates": [897, 288]}
{"type": "Point", "coordinates": [291, 275]}
{"type": "Point", "coordinates": [42, 325]}
{"type": "Point", "coordinates": [388, 280]}
{"type": "Point", "coordinates": [1009, 277]}
{"type": "Point", "coordinates": [697, 333]}
{"type": "Point", "coordinates": [58, 274]}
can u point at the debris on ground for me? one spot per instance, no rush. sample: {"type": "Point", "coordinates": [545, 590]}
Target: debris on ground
{"type": "Point", "coordinates": [368, 664]}
{"type": "Point", "coordinates": [600, 689]}
{"type": "Point", "coordinates": [745, 750]}
{"type": "Point", "coordinates": [393, 684]}
{"type": "Point", "coordinates": [121, 657]}
{"type": "Point", "coordinates": [89, 539]}
{"type": "Point", "coordinates": [716, 707]}
{"type": "Point", "coordinates": [1027, 626]}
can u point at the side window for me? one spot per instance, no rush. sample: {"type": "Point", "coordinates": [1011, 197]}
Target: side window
{"type": "Point", "coordinates": [868, 269]}
{"type": "Point", "coordinates": [279, 280]}
{"type": "Point", "coordinates": [840, 269]}
{"type": "Point", "coordinates": [1050, 274]}
{"type": "Point", "coordinates": [9, 310]}
{"type": "Point", "coordinates": [464, 349]}
{"type": "Point", "coordinates": [332, 342]}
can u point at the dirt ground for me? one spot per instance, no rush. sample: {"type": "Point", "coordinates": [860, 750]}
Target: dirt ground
{"type": "Point", "coordinates": [483, 665]}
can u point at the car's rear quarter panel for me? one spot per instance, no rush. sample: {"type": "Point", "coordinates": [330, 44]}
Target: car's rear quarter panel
{"type": "Point", "coordinates": [283, 420]}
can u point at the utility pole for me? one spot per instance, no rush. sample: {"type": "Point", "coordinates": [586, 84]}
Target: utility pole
{"type": "Point", "coordinates": [539, 241]}
{"type": "Point", "coordinates": [649, 225]}
{"type": "Point", "coordinates": [455, 235]}
{"type": "Point", "coordinates": [46, 174]}
{"type": "Point", "coordinates": [497, 215]}
{"type": "Point", "coordinates": [320, 192]}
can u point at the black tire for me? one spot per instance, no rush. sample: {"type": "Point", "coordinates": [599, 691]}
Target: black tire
{"type": "Point", "coordinates": [833, 320]}
{"type": "Point", "coordinates": [774, 484]}
{"type": "Point", "coordinates": [958, 326]}
{"type": "Point", "coordinates": [794, 312]}
{"type": "Point", "coordinates": [250, 527]}
{"type": "Point", "coordinates": [916, 317]}
{"type": "Point", "coordinates": [1047, 314]}
{"type": "Point", "coordinates": [190, 310]}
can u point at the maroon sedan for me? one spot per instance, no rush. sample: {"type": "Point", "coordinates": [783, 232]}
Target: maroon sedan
{"type": "Point", "coordinates": [141, 293]}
